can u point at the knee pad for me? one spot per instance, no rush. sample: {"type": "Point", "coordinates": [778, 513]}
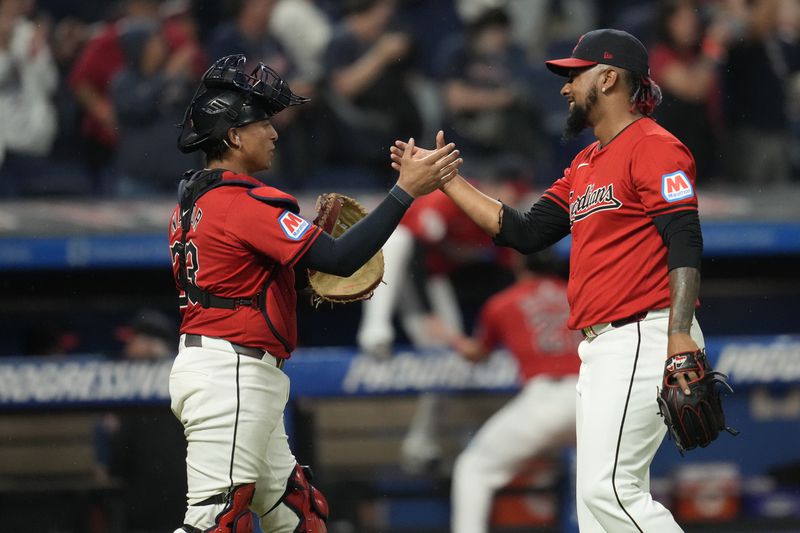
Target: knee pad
{"type": "Point", "coordinates": [236, 517]}
{"type": "Point", "coordinates": [306, 501]}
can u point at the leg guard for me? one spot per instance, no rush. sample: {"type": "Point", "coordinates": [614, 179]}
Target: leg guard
{"type": "Point", "coordinates": [306, 501]}
{"type": "Point", "coordinates": [236, 517]}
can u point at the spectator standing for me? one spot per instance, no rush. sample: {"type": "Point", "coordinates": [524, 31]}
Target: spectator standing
{"type": "Point", "coordinates": [487, 92]}
{"type": "Point", "coordinates": [28, 78]}
{"type": "Point", "coordinates": [368, 64]}
{"type": "Point", "coordinates": [757, 75]}
{"type": "Point", "coordinates": [148, 96]}
{"type": "Point", "coordinates": [90, 80]}
{"type": "Point", "coordinates": [530, 320]}
{"type": "Point", "coordinates": [684, 61]}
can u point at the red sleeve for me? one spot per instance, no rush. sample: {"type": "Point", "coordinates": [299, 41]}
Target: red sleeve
{"type": "Point", "coordinates": [487, 331]}
{"type": "Point", "coordinates": [273, 231]}
{"type": "Point", "coordinates": [663, 175]}
{"type": "Point", "coordinates": [98, 62]}
{"type": "Point", "coordinates": [559, 191]}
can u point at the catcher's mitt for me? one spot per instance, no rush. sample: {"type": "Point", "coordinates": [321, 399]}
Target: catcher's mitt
{"type": "Point", "coordinates": [336, 213]}
{"type": "Point", "coordinates": [696, 419]}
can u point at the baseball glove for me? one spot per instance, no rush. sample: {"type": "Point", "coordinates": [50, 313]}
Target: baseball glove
{"type": "Point", "coordinates": [696, 419]}
{"type": "Point", "coordinates": [336, 213]}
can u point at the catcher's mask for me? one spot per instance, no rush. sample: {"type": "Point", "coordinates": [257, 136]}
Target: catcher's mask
{"type": "Point", "coordinates": [228, 97]}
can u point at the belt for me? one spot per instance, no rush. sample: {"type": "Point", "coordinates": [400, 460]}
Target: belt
{"type": "Point", "coordinates": [196, 341]}
{"type": "Point", "coordinates": [593, 331]}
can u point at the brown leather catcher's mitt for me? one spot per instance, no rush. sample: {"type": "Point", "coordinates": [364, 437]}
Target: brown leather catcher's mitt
{"type": "Point", "coordinates": [336, 213]}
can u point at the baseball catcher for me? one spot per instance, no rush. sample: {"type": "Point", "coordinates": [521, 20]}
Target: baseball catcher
{"type": "Point", "coordinates": [693, 419]}
{"type": "Point", "coordinates": [235, 243]}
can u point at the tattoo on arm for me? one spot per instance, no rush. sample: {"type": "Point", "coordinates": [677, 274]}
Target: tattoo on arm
{"type": "Point", "coordinates": [684, 287]}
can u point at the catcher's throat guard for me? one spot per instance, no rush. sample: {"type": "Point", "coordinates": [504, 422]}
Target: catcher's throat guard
{"type": "Point", "coordinates": [229, 97]}
{"type": "Point", "coordinates": [336, 213]}
{"type": "Point", "coordinates": [696, 419]}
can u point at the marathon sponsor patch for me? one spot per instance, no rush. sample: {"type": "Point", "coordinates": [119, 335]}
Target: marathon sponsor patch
{"type": "Point", "coordinates": [294, 226]}
{"type": "Point", "coordinates": [676, 186]}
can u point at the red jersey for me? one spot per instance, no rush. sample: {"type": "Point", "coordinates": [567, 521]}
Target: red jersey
{"type": "Point", "coordinates": [529, 318]}
{"type": "Point", "coordinates": [618, 262]}
{"type": "Point", "coordinates": [100, 60]}
{"type": "Point", "coordinates": [244, 241]}
{"type": "Point", "coordinates": [451, 236]}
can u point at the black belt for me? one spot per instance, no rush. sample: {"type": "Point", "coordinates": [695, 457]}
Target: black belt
{"type": "Point", "coordinates": [593, 331]}
{"type": "Point", "coordinates": [638, 317]}
{"type": "Point", "coordinates": [196, 341]}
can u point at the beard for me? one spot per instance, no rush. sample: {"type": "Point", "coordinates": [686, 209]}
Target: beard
{"type": "Point", "coordinates": [578, 117]}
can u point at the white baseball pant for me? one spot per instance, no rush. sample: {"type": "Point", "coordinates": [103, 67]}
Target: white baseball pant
{"type": "Point", "coordinates": [618, 427]}
{"type": "Point", "coordinates": [231, 407]}
{"type": "Point", "coordinates": [376, 331]}
{"type": "Point", "coordinates": [541, 416]}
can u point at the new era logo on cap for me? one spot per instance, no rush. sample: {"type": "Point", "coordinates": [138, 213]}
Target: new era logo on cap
{"type": "Point", "coordinates": [611, 47]}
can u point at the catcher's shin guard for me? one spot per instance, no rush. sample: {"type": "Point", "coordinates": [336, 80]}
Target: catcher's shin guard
{"type": "Point", "coordinates": [306, 501]}
{"type": "Point", "coordinates": [236, 517]}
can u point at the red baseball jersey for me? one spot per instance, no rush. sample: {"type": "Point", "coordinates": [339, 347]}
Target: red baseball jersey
{"type": "Point", "coordinates": [451, 236]}
{"type": "Point", "coordinates": [242, 242]}
{"type": "Point", "coordinates": [618, 262]}
{"type": "Point", "coordinates": [530, 319]}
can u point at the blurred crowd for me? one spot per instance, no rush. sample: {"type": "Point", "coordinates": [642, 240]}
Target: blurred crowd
{"type": "Point", "coordinates": [91, 90]}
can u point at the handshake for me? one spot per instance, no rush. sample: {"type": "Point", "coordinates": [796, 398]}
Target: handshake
{"type": "Point", "coordinates": [421, 170]}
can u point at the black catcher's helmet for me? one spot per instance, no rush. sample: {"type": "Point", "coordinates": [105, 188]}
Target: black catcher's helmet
{"type": "Point", "coordinates": [228, 97]}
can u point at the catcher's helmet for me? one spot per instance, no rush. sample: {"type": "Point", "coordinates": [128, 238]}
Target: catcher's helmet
{"type": "Point", "coordinates": [228, 97]}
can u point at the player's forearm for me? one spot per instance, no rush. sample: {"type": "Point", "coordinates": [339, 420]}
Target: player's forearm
{"type": "Point", "coordinates": [684, 288]}
{"type": "Point", "coordinates": [344, 255]}
{"type": "Point", "coordinates": [483, 210]}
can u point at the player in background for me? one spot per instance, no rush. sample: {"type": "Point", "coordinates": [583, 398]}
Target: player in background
{"type": "Point", "coordinates": [434, 239]}
{"type": "Point", "coordinates": [529, 318]}
{"type": "Point", "coordinates": [629, 202]}
{"type": "Point", "coordinates": [235, 243]}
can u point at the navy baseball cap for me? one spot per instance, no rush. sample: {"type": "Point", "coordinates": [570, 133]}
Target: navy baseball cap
{"type": "Point", "coordinates": [610, 47]}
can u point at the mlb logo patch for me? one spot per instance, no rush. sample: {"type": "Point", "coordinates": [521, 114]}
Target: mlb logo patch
{"type": "Point", "coordinates": [294, 226]}
{"type": "Point", "coordinates": [676, 186]}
